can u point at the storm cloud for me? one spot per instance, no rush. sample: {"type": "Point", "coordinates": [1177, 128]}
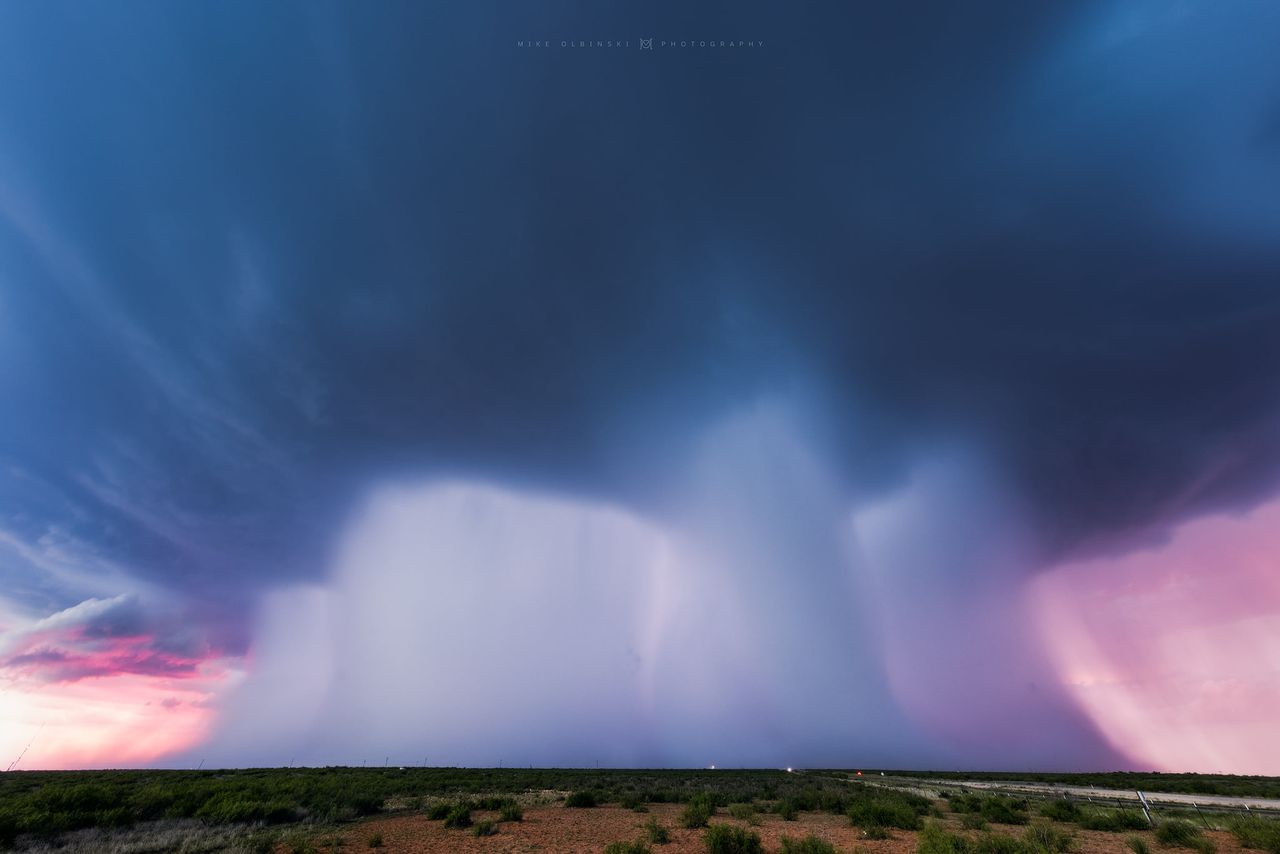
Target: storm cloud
{"type": "Point", "coordinates": [878, 322]}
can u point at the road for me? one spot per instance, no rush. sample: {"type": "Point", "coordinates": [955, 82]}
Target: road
{"type": "Point", "coordinates": [1101, 796]}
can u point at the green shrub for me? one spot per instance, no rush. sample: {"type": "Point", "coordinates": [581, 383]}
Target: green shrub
{"type": "Point", "coordinates": [636, 847]}
{"type": "Point", "coordinates": [886, 813]}
{"type": "Point", "coordinates": [656, 833]}
{"type": "Point", "coordinates": [458, 816]}
{"type": "Point", "coordinates": [1060, 810]}
{"type": "Point", "coordinates": [493, 802]}
{"type": "Point", "coordinates": [1177, 832]}
{"type": "Point", "coordinates": [375, 841]}
{"type": "Point", "coordinates": [1113, 821]}
{"type": "Point", "coordinates": [439, 810]}
{"type": "Point", "coordinates": [787, 809]}
{"type": "Point", "coordinates": [1204, 845]}
{"type": "Point", "coordinates": [933, 839]}
{"type": "Point", "coordinates": [1046, 838]}
{"type": "Point", "coordinates": [973, 821]}
{"type": "Point", "coordinates": [742, 812]}
{"type": "Point", "coordinates": [581, 800]}
{"type": "Point", "coordinates": [999, 843]}
{"type": "Point", "coordinates": [696, 814]}
{"type": "Point", "coordinates": [1137, 845]}
{"type": "Point", "coordinates": [999, 810]}
{"type": "Point", "coordinates": [727, 839]}
{"type": "Point", "coordinates": [511, 812]}
{"type": "Point", "coordinates": [962, 802]}
{"type": "Point", "coordinates": [700, 809]}
{"type": "Point", "coordinates": [874, 831]}
{"type": "Point", "coordinates": [1257, 832]}
{"type": "Point", "coordinates": [485, 828]}
{"type": "Point", "coordinates": [809, 845]}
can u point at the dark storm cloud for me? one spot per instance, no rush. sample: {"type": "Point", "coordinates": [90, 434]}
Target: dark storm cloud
{"type": "Point", "coordinates": [254, 254]}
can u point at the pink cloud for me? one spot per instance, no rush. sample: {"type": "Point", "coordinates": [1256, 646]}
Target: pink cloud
{"type": "Point", "coordinates": [1174, 651]}
{"type": "Point", "coordinates": [106, 683]}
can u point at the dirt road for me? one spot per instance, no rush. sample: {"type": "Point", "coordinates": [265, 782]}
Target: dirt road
{"type": "Point", "coordinates": [1101, 796]}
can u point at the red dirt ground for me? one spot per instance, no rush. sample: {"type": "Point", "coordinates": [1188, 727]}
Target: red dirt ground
{"type": "Point", "coordinates": [588, 831]}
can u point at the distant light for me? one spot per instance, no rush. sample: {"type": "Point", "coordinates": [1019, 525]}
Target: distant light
{"type": "Point", "coordinates": [788, 770]}
{"type": "Point", "coordinates": [859, 773]}
{"type": "Point", "coordinates": [713, 767]}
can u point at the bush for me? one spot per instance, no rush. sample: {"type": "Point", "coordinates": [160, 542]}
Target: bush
{"type": "Point", "coordinates": [1204, 845]}
{"type": "Point", "coordinates": [700, 809]}
{"type": "Point", "coordinates": [726, 839]}
{"type": "Point", "coordinates": [636, 847]}
{"type": "Point", "coordinates": [1256, 832]}
{"type": "Point", "coordinates": [1113, 821]}
{"type": "Point", "coordinates": [963, 802]}
{"type": "Point", "coordinates": [439, 810]}
{"type": "Point", "coordinates": [787, 809]}
{"type": "Point", "coordinates": [657, 834]}
{"type": "Point", "coordinates": [1046, 838]}
{"type": "Point", "coordinates": [375, 841]}
{"type": "Point", "coordinates": [581, 800]}
{"type": "Point", "coordinates": [696, 814]}
{"type": "Point", "coordinates": [458, 816]}
{"type": "Point", "coordinates": [809, 845]}
{"type": "Point", "coordinates": [742, 812]}
{"type": "Point", "coordinates": [1060, 810]}
{"type": "Point", "coordinates": [512, 812]}
{"type": "Point", "coordinates": [1000, 843]}
{"type": "Point", "coordinates": [885, 813]}
{"type": "Point", "coordinates": [874, 831]}
{"type": "Point", "coordinates": [934, 839]}
{"type": "Point", "coordinates": [1177, 832]}
{"type": "Point", "coordinates": [973, 821]}
{"type": "Point", "coordinates": [1137, 845]}
{"type": "Point", "coordinates": [1002, 811]}
{"type": "Point", "coordinates": [485, 828]}
{"type": "Point", "coordinates": [493, 802]}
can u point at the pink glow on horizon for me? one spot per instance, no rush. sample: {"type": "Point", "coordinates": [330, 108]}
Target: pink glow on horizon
{"type": "Point", "coordinates": [122, 720]}
{"type": "Point", "coordinates": [1174, 651]}
{"type": "Point", "coordinates": [74, 695]}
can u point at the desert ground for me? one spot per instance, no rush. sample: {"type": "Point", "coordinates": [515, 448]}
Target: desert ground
{"type": "Point", "coordinates": [556, 828]}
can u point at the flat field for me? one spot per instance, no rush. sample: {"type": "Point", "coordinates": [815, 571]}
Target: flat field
{"type": "Point", "coordinates": [548, 810]}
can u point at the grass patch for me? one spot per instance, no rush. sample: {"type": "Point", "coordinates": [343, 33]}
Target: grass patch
{"type": "Point", "coordinates": [1047, 838]}
{"type": "Point", "coordinates": [699, 811]}
{"type": "Point", "coordinates": [458, 817]}
{"type": "Point", "coordinates": [973, 821]}
{"type": "Point", "coordinates": [637, 847]}
{"type": "Point", "coordinates": [1256, 832]}
{"type": "Point", "coordinates": [1176, 832]}
{"type": "Point", "coordinates": [743, 812]}
{"type": "Point", "coordinates": [1113, 821]}
{"type": "Point", "coordinates": [884, 812]}
{"type": "Point", "coordinates": [375, 840]}
{"type": "Point", "coordinates": [656, 833]}
{"type": "Point", "coordinates": [485, 828]}
{"type": "Point", "coordinates": [934, 839]}
{"type": "Point", "coordinates": [874, 831]}
{"type": "Point", "coordinates": [1060, 810]}
{"type": "Point", "coordinates": [808, 845]}
{"type": "Point", "coordinates": [787, 809]}
{"type": "Point", "coordinates": [1137, 845]}
{"type": "Point", "coordinates": [581, 800]}
{"type": "Point", "coordinates": [726, 839]}
{"type": "Point", "coordinates": [511, 812]}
